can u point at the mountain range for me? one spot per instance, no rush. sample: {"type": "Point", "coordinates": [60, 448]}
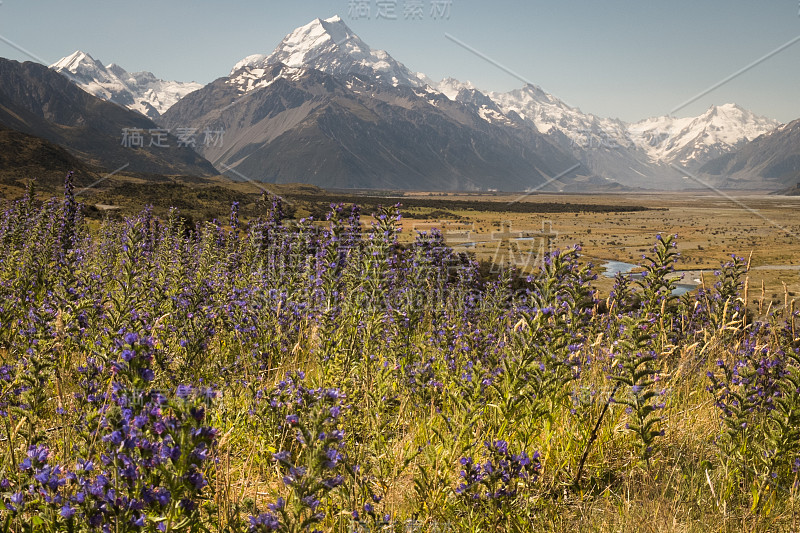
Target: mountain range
{"type": "Point", "coordinates": [641, 153]}
{"type": "Point", "coordinates": [305, 125]}
{"type": "Point", "coordinates": [773, 158]}
{"type": "Point", "coordinates": [325, 108]}
{"type": "Point", "coordinates": [38, 101]}
{"type": "Point", "coordinates": [139, 91]}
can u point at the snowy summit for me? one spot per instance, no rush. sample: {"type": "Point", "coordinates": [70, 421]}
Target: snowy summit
{"type": "Point", "coordinates": [139, 91]}
{"type": "Point", "coordinates": [330, 46]}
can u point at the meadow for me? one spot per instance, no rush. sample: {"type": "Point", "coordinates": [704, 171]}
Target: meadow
{"type": "Point", "coordinates": [353, 374]}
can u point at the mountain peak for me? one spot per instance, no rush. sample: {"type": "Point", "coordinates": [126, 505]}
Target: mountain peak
{"type": "Point", "coordinates": [730, 106]}
{"type": "Point", "coordinates": [330, 46]}
{"type": "Point", "coordinates": [330, 25]}
{"type": "Point", "coordinates": [714, 109]}
{"type": "Point", "coordinates": [450, 87]}
{"type": "Point", "coordinates": [249, 61]}
{"type": "Point", "coordinates": [690, 140]}
{"type": "Point", "coordinates": [734, 113]}
{"type": "Point", "coordinates": [76, 61]}
{"type": "Point", "coordinates": [140, 91]}
{"type": "Point", "coordinates": [319, 37]}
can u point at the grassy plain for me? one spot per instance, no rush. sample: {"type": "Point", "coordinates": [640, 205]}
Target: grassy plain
{"type": "Point", "coordinates": [710, 227]}
{"type": "Point", "coordinates": [412, 449]}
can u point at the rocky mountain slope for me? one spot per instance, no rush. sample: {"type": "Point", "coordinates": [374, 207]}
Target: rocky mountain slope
{"type": "Point", "coordinates": [344, 138]}
{"type": "Point", "coordinates": [38, 101]}
{"type": "Point", "coordinates": [771, 161]}
{"type": "Point", "coordinates": [291, 124]}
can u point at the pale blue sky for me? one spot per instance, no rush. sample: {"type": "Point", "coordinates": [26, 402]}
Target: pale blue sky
{"type": "Point", "coordinates": [629, 59]}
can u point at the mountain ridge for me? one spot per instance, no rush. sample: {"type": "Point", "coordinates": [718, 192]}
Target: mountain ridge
{"type": "Point", "coordinates": [302, 124]}
{"type": "Point", "coordinates": [139, 91]}
{"type": "Point", "coordinates": [38, 101]}
{"type": "Point", "coordinates": [638, 154]}
{"type": "Point", "coordinates": [773, 157]}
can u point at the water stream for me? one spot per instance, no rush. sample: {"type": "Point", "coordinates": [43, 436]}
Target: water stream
{"type": "Point", "coordinates": [612, 268]}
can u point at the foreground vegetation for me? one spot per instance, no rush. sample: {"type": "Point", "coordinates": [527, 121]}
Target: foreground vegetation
{"type": "Point", "coordinates": [299, 376]}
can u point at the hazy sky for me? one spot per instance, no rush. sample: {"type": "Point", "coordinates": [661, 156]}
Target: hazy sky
{"type": "Point", "coordinates": [614, 58]}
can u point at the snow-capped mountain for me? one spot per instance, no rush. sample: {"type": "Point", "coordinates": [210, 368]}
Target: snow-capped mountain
{"type": "Point", "coordinates": [693, 141]}
{"type": "Point", "coordinates": [38, 101]}
{"type": "Point", "coordinates": [685, 141]}
{"type": "Point", "coordinates": [771, 161]}
{"type": "Point", "coordinates": [329, 46]}
{"type": "Point", "coordinates": [637, 154]}
{"type": "Point", "coordinates": [466, 93]}
{"type": "Point", "coordinates": [549, 114]}
{"type": "Point", "coordinates": [450, 87]}
{"type": "Point", "coordinates": [295, 124]}
{"type": "Point", "coordinates": [139, 91]}
{"type": "Point", "coordinates": [633, 154]}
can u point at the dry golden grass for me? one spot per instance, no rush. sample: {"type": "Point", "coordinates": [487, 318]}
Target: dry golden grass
{"type": "Point", "coordinates": [710, 228]}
